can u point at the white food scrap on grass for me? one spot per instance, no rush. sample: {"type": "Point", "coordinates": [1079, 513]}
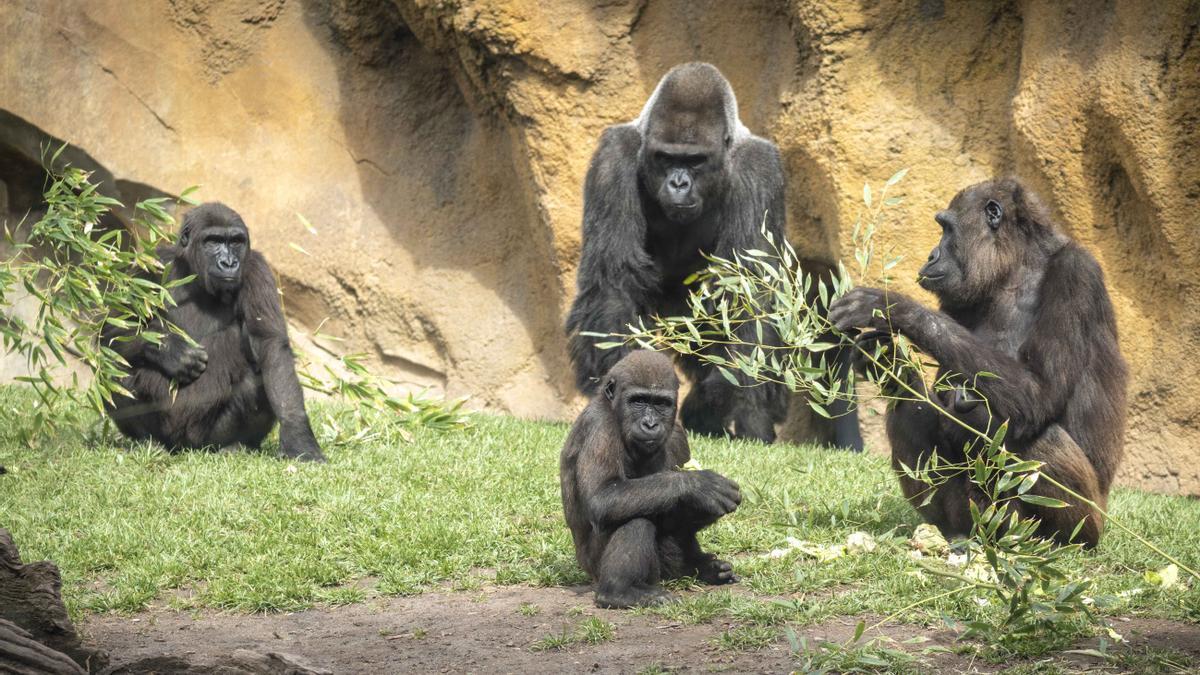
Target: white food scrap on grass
{"type": "Point", "coordinates": [928, 540]}
{"type": "Point", "coordinates": [1165, 577]}
{"type": "Point", "coordinates": [856, 543]}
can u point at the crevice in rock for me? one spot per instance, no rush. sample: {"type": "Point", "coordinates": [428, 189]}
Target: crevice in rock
{"type": "Point", "coordinates": [108, 71]}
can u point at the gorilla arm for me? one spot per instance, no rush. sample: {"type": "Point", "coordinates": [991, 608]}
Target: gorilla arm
{"type": "Point", "coordinates": [267, 329]}
{"type": "Point", "coordinates": [756, 197]}
{"type": "Point", "coordinates": [1067, 333]}
{"type": "Point", "coordinates": [609, 499]}
{"type": "Point", "coordinates": [174, 357]}
{"type": "Point", "coordinates": [614, 268]}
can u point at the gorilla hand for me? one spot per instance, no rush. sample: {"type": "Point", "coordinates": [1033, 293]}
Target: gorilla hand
{"type": "Point", "coordinates": [880, 347]}
{"type": "Point", "coordinates": [713, 494]}
{"type": "Point", "coordinates": [181, 361]}
{"type": "Point", "coordinates": [960, 399]}
{"type": "Point", "coordinates": [868, 308]}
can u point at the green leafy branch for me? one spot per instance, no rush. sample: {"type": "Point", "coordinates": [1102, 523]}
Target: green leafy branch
{"type": "Point", "coordinates": [378, 410]}
{"type": "Point", "coordinates": [84, 277]}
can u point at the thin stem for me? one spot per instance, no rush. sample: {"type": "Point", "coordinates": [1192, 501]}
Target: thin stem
{"type": "Point", "coordinates": [914, 605]}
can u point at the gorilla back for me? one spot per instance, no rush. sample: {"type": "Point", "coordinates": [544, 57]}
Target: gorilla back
{"type": "Point", "coordinates": [686, 178]}
{"type": "Point", "coordinates": [240, 376]}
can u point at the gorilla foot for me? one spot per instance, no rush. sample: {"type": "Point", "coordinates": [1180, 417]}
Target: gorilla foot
{"type": "Point", "coordinates": [315, 456]}
{"type": "Point", "coordinates": [715, 572]}
{"type": "Point", "coordinates": [638, 595]}
{"type": "Point", "coordinates": [301, 450]}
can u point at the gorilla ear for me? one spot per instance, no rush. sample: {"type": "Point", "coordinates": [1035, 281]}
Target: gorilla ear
{"type": "Point", "coordinates": [185, 235]}
{"type": "Point", "coordinates": [610, 388]}
{"type": "Point", "coordinates": [994, 213]}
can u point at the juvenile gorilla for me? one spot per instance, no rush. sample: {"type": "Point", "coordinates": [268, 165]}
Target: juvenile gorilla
{"type": "Point", "coordinates": [633, 516]}
{"type": "Point", "coordinates": [1021, 300]}
{"type": "Point", "coordinates": [684, 179]}
{"type": "Point", "coordinates": [241, 378]}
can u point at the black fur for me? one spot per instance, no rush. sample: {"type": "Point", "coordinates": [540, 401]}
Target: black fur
{"type": "Point", "coordinates": [632, 515]}
{"type": "Point", "coordinates": [242, 377]}
{"type": "Point", "coordinates": [1021, 300]}
{"type": "Point", "coordinates": [640, 241]}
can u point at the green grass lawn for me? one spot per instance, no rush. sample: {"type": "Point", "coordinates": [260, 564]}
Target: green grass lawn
{"type": "Point", "coordinates": [129, 525]}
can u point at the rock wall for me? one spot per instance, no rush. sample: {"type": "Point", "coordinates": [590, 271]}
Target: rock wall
{"type": "Point", "coordinates": [439, 146]}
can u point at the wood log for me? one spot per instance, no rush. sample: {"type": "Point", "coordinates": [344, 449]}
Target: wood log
{"type": "Point", "coordinates": [31, 599]}
{"type": "Point", "coordinates": [20, 654]}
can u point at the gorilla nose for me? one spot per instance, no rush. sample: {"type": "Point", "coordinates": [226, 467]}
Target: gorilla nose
{"type": "Point", "coordinates": [650, 425]}
{"type": "Point", "coordinates": [935, 254]}
{"type": "Point", "coordinates": [228, 265]}
{"type": "Point", "coordinates": [679, 181]}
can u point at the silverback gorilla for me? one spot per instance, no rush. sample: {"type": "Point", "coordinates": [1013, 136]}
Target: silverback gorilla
{"type": "Point", "coordinates": [685, 178]}
{"type": "Point", "coordinates": [241, 378]}
{"type": "Point", "coordinates": [632, 515]}
{"type": "Point", "coordinates": [1021, 300]}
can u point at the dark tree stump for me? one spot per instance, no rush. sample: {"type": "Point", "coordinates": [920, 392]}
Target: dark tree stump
{"type": "Point", "coordinates": [20, 654]}
{"type": "Point", "coordinates": [31, 601]}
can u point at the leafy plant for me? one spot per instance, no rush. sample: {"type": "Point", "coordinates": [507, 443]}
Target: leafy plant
{"type": "Point", "coordinates": [84, 277]}
{"type": "Point", "coordinates": [376, 410]}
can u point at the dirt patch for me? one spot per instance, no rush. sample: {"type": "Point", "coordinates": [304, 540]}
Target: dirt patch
{"type": "Point", "coordinates": [493, 629]}
{"type": "Point", "coordinates": [475, 631]}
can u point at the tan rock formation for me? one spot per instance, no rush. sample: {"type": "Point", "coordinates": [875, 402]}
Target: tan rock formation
{"type": "Point", "coordinates": [439, 147]}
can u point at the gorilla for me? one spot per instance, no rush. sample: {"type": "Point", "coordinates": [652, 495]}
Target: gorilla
{"type": "Point", "coordinates": [240, 377]}
{"type": "Point", "coordinates": [1019, 299]}
{"type": "Point", "coordinates": [683, 179]}
{"type": "Point", "coordinates": [633, 515]}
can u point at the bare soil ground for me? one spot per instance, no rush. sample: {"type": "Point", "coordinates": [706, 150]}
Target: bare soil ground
{"type": "Point", "coordinates": [485, 631]}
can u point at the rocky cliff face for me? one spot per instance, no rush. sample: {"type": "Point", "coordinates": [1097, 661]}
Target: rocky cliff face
{"type": "Point", "coordinates": [439, 147]}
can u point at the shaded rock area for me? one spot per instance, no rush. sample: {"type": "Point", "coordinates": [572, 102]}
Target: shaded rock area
{"type": "Point", "coordinates": [36, 635]}
{"type": "Point", "coordinates": [439, 149]}
{"type": "Point", "coordinates": [241, 662]}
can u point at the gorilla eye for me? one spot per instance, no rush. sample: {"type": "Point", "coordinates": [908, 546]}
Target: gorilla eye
{"type": "Point", "coordinates": [994, 213]}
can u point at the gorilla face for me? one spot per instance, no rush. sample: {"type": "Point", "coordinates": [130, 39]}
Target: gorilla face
{"type": "Point", "coordinates": [979, 245]}
{"type": "Point", "coordinates": [642, 391]}
{"type": "Point", "coordinates": [646, 416]}
{"type": "Point", "coordinates": [685, 178]}
{"type": "Point", "coordinates": [682, 159]}
{"type": "Point", "coordinates": [215, 241]}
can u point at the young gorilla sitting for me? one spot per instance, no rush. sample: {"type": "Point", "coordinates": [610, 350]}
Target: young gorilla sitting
{"type": "Point", "coordinates": [633, 516]}
{"type": "Point", "coordinates": [241, 377]}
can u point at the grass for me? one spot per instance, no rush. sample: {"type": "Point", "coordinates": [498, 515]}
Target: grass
{"type": "Point", "coordinates": [130, 525]}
